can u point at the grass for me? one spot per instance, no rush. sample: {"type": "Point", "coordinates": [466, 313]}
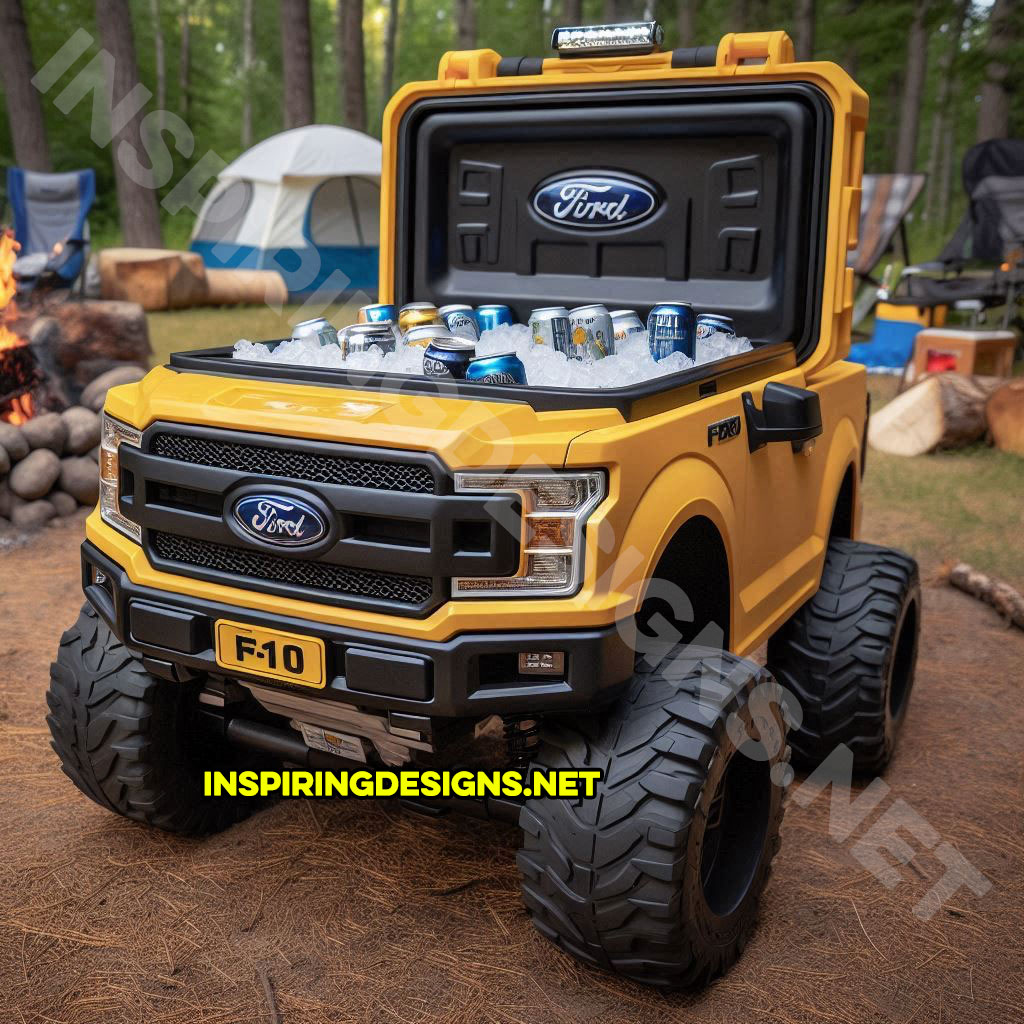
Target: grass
{"type": "Point", "coordinates": [182, 329]}
{"type": "Point", "coordinates": [962, 505]}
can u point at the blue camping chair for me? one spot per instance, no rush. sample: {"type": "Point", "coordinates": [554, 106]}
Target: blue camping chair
{"type": "Point", "coordinates": [50, 210]}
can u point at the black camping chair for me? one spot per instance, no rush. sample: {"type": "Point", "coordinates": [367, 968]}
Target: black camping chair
{"type": "Point", "coordinates": [991, 232]}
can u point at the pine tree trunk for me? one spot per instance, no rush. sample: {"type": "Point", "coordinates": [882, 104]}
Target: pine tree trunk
{"type": "Point", "coordinates": [387, 72]}
{"type": "Point", "coordinates": [913, 90]}
{"type": "Point", "coordinates": [946, 177]}
{"type": "Point", "coordinates": [804, 41]}
{"type": "Point", "coordinates": [572, 12]}
{"type": "Point", "coordinates": [24, 109]}
{"type": "Point", "coordinates": [247, 55]}
{"type": "Point", "coordinates": [940, 116]}
{"type": "Point", "coordinates": [994, 109]}
{"type": "Point", "coordinates": [465, 24]}
{"type": "Point", "coordinates": [298, 63]}
{"type": "Point", "coordinates": [350, 47]}
{"type": "Point", "coordinates": [739, 16]}
{"type": "Point", "coordinates": [686, 23]}
{"type": "Point", "coordinates": [160, 59]}
{"type": "Point", "coordinates": [136, 195]}
{"type": "Point", "coordinates": [185, 64]}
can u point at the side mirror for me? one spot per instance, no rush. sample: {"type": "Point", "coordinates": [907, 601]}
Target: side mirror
{"type": "Point", "coordinates": [786, 414]}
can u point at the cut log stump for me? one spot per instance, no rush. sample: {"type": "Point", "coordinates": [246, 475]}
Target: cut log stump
{"type": "Point", "coordinates": [1004, 412]}
{"type": "Point", "coordinates": [943, 411]}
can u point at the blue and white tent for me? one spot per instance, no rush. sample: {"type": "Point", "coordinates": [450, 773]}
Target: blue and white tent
{"type": "Point", "coordinates": [305, 203]}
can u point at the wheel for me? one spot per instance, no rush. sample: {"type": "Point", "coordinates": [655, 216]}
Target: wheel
{"type": "Point", "coordinates": [131, 742]}
{"type": "Point", "coordinates": [848, 655]}
{"type": "Point", "coordinates": [658, 876]}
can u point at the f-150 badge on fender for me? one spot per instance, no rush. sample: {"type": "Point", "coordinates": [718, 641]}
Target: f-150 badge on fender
{"type": "Point", "coordinates": [594, 201]}
{"type": "Point", "coordinates": [723, 430]}
{"type": "Point", "coordinates": [279, 520]}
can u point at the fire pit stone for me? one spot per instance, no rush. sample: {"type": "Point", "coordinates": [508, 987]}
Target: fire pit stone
{"type": "Point", "coordinates": [46, 431]}
{"type": "Point", "coordinates": [30, 515]}
{"type": "Point", "coordinates": [79, 477]}
{"type": "Point", "coordinates": [83, 429]}
{"type": "Point", "coordinates": [35, 475]}
{"type": "Point", "coordinates": [13, 442]}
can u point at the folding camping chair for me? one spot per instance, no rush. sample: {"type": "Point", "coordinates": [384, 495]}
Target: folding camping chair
{"type": "Point", "coordinates": [886, 200]}
{"type": "Point", "coordinates": [992, 231]}
{"type": "Point", "coordinates": [50, 224]}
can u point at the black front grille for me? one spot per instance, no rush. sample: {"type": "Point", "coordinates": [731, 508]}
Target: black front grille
{"type": "Point", "coordinates": [379, 474]}
{"type": "Point", "coordinates": [249, 565]}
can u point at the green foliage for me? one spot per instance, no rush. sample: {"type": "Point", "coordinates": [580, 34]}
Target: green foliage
{"type": "Point", "coordinates": [869, 36]}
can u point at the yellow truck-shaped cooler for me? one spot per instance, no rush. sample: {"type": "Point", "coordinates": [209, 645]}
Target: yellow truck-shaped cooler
{"type": "Point", "coordinates": [592, 570]}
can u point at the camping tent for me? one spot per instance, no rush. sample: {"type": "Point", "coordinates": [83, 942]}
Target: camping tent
{"type": "Point", "coordinates": [305, 203]}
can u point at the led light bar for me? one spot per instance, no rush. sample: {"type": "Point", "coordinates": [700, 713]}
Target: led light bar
{"type": "Point", "coordinates": [633, 37]}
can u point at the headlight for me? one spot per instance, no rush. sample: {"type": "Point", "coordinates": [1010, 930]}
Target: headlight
{"type": "Point", "coordinates": [555, 507]}
{"type": "Point", "coordinates": [115, 434]}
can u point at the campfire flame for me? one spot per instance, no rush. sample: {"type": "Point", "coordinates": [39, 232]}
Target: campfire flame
{"type": "Point", "coordinates": [21, 408]}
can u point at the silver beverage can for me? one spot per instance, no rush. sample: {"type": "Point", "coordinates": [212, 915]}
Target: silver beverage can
{"type": "Point", "coordinates": [714, 323]}
{"type": "Point", "coordinates": [550, 326]}
{"type": "Point", "coordinates": [455, 306]}
{"type": "Point", "coordinates": [592, 335]}
{"type": "Point", "coordinates": [626, 322]}
{"type": "Point", "coordinates": [359, 337]}
{"type": "Point", "coordinates": [461, 322]}
{"type": "Point", "coordinates": [319, 329]}
{"type": "Point", "coordinates": [424, 334]}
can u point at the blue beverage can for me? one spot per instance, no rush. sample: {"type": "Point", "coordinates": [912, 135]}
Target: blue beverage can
{"type": "Point", "coordinates": [506, 368]}
{"type": "Point", "coordinates": [672, 327]}
{"type": "Point", "coordinates": [448, 357]}
{"type": "Point", "coordinates": [461, 322]}
{"type": "Point", "coordinates": [714, 323]}
{"type": "Point", "coordinates": [496, 315]}
{"type": "Point", "coordinates": [377, 313]}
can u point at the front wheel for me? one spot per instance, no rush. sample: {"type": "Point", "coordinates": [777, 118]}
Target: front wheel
{"type": "Point", "coordinates": [658, 876]}
{"type": "Point", "coordinates": [131, 742]}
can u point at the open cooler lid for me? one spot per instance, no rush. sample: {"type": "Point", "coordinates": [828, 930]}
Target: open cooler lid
{"type": "Point", "coordinates": [631, 194]}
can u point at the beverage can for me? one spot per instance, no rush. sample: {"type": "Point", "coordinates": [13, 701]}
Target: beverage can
{"type": "Point", "coordinates": [493, 315]}
{"type": "Point", "coordinates": [592, 335]}
{"type": "Point", "coordinates": [359, 337]}
{"type": "Point", "coordinates": [377, 312]}
{"type": "Point", "coordinates": [448, 357]}
{"type": "Point", "coordinates": [550, 326]}
{"type": "Point", "coordinates": [417, 314]}
{"type": "Point", "coordinates": [422, 336]}
{"type": "Point", "coordinates": [504, 368]}
{"type": "Point", "coordinates": [671, 327]}
{"type": "Point", "coordinates": [714, 323]}
{"type": "Point", "coordinates": [625, 322]}
{"type": "Point", "coordinates": [461, 322]}
{"type": "Point", "coordinates": [319, 329]}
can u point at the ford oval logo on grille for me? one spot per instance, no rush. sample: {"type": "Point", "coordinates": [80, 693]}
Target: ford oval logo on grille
{"type": "Point", "coordinates": [280, 519]}
{"type": "Point", "coordinates": [594, 201]}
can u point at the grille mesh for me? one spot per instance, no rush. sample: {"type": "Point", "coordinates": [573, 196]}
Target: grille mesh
{"type": "Point", "coordinates": [337, 579]}
{"type": "Point", "coordinates": [378, 474]}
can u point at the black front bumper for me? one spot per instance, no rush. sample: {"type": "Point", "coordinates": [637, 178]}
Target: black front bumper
{"type": "Point", "coordinates": [470, 675]}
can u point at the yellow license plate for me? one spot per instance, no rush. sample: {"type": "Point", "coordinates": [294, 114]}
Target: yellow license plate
{"type": "Point", "coordinates": [271, 652]}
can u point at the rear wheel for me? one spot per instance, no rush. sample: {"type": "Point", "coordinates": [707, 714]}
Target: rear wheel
{"type": "Point", "coordinates": [658, 876]}
{"type": "Point", "coordinates": [849, 655]}
{"type": "Point", "coordinates": [133, 743]}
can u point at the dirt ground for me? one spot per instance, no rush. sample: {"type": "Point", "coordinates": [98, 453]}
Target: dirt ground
{"type": "Point", "coordinates": [359, 911]}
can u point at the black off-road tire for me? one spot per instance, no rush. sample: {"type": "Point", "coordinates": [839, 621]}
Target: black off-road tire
{"type": "Point", "coordinates": [131, 742]}
{"type": "Point", "coordinates": [849, 655]}
{"type": "Point", "coordinates": [658, 877]}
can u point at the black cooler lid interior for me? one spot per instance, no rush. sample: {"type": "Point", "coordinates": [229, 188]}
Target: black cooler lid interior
{"type": "Point", "coordinates": [628, 196]}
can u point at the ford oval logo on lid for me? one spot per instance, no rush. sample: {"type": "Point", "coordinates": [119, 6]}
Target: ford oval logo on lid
{"type": "Point", "coordinates": [594, 201]}
{"type": "Point", "coordinates": [280, 519]}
